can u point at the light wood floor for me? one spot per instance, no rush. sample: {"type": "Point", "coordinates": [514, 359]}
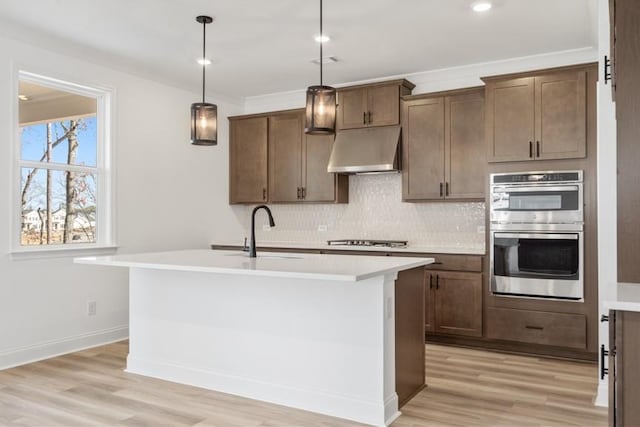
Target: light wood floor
{"type": "Point", "coordinates": [465, 388]}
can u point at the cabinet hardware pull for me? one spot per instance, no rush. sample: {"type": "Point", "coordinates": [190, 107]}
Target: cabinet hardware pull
{"type": "Point", "coordinates": [437, 281]}
{"type": "Point", "coordinates": [537, 328]}
{"type": "Point", "coordinates": [436, 263]}
{"type": "Point", "coordinates": [364, 118]}
{"type": "Point", "coordinates": [304, 192]}
{"type": "Point", "coordinates": [604, 318]}
{"type": "Point", "coordinates": [298, 196]}
{"type": "Point", "coordinates": [430, 281]}
{"type": "Point", "coordinates": [264, 194]}
{"type": "Point", "coordinates": [369, 117]}
{"type": "Point", "coordinates": [603, 371]}
{"type": "Point", "coordinates": [607, 69]}
{"type": "Point", "coordinates": [537, 148]}
{"type": "Point", "coordinates": [440, 189]}
{"type": "Point", "coordinates": [530, 149]}
{"type": "Point", "coordinates": [446, 191]}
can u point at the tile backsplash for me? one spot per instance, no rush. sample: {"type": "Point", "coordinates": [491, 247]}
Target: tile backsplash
{"type": "Point", "coordinates": [374, 211]}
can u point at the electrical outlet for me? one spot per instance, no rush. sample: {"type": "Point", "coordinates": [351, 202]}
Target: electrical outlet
{"type": "Point", "coordinates": [389, 308]}
{"type": "Point", "coordinates": [480, 229]}
{"type": "Point", "coordinates": [91, 308]}
{"type": "Point", "coordinates": [322, 228]}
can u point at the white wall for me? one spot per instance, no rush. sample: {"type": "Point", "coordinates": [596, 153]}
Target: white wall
{"type": "Point", "coordinates": [437, 80]}
{"type": "Point", "coordinates": [607, 181]}
{"type": "Point", "coordinates": [169, 195]}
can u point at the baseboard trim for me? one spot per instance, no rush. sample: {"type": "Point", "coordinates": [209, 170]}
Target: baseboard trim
{"type": "Point", "coordinates": [380, 413]}
{"type": "Point", "coordinates": [514, 348]}
{"type": "Point", "coordinates": [46, 350]}
{"type": "Point", "coordinates": [602, 395]}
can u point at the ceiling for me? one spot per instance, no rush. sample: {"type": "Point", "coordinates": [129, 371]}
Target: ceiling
{"type": "Point", "coordinates": [261, 47]}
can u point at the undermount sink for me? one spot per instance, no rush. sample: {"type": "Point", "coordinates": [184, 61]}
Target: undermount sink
{"type": "Point", "coordinates": [266, 256]}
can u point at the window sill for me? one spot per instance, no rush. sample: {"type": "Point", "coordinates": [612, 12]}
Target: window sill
{"type": "Point", "coordinates": [61, 252]}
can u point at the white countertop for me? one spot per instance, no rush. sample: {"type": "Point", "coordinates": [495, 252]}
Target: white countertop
{"type": "Point", "coordinates": [628, 298]}
{"type": "Point", "coordinates": [304, 266]}
{"type": "Point", "coordinates": [471, 250]}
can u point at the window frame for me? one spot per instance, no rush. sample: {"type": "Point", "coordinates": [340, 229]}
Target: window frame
{"type": "Point", "coordinates": [105, 228]}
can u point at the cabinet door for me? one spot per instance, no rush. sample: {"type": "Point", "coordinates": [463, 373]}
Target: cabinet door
{"type": "Point", "coordinates": [423, 149]}
{"type": "Point", "coordinates": [510, 119]}
{"type": "Point", "coordinates": [627, 30]}
{"type": "Point", "coordinates": [409, 330]}
{"type": "Point", "coordinates": [352, 108]}
{"type": "Point", "coordinates": [248, 160]}
{"type": "Point", "coordinates": [429, 302]}
{"type": "Point", "coordinates": [285, 157]}
{"type": "Point", "coordinates": [561, 115]}
{"type": "Point", "coordinates": [319, 185]}
{"type": "Point", "coordinates": [384, 105]}
{"type": "Point", "coordinates": [465, 153]}
{"type": "Point", "coordinates": [613, 373]}
{"type": "Point", "coordinates": [458, 303]}
{"type": "Point", "coordinates": [627, 348]}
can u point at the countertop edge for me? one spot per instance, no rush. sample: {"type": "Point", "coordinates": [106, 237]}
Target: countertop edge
{"type": "Point", "coordinates": [294, 246]}
{"type": "Point", "coordinates": [108, 262]}
{"type": "Point", "coordinates": [627, 298]}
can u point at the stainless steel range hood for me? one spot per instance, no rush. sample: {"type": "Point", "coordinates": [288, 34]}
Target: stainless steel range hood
{"type": "Point", "coordinates": [367, 150]}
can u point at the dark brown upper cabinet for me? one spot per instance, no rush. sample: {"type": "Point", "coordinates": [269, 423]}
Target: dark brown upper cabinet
{"type": "Point", "coordinates": [443, 146]}
{"type": "Point", "coordinates": [319, 185]}
{"type": "Point", "coordinates": [248, 160]}
{"type": "Point", "coordinates": [298, 163]}
{"type": "Point", "coordinates": [537, 117]}
{"type": "Point", "coordinates": [285, 157]}
{"type": "Point", "coordinates": [376, 104]}
{"type": "Point", "coordinates": [625, 21]}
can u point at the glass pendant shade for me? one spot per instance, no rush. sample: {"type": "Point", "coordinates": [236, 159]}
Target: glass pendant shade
{"type": "Point", "coordinates": [204, 124]}
{"type": "Point", "coordinates": [320, 115]}
{"type": "Point", "coordinates": [320, 110]}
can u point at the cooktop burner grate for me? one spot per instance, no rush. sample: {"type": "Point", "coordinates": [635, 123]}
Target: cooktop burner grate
{"type": "Point", "coordinates": [367, 242]}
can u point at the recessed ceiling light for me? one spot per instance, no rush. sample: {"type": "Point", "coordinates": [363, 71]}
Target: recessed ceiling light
{"type": "Point", "coordinates": [322, 38]}
{"type": "Point", "coordinates": [204, 61]}
{"type": "Point", "coordinates": [23, 97]}
{"type": "Point", "coordinates": [481, 6]}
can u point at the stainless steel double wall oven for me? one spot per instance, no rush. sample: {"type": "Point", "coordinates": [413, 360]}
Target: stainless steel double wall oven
{"type": "Point", "coordinates": [536, 234]}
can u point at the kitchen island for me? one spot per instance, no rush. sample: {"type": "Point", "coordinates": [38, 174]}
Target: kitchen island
{"type": "Point", "coordinates": [315, 332]}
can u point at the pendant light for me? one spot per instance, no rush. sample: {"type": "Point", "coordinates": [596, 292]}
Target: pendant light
{"type": "Point", "coordinates": [321, 103]}
{"type": "Point", "coordinates": [204, 116]}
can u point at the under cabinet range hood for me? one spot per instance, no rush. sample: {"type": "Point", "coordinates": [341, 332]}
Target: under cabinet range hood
{"type": "Point", "coordinates": [366, 150]}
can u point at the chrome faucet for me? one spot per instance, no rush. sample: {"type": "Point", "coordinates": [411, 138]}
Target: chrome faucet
{"type": "Point", "coordinates": [252, 249]}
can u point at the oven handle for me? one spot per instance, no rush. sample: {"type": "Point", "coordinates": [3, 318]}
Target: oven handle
{"type": "Point", "coordinates": [540, 188]}
{"type": "Point", "coordinates": [542, 236]}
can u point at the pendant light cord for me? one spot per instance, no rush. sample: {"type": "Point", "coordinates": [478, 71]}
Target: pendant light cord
{"type": "Point", "coordinates": [321, 42]}
{"type": "Point", "coordinates": [204, 41]}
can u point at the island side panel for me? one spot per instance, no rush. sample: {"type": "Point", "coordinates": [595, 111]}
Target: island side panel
{"type": "Point", "coordinates": [318, 345]}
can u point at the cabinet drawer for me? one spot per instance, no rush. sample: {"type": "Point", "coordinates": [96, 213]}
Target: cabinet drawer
{"type": "Point", "coordinates": [537, 327]}
{"type": "Point", "coordinates": [456, 263]}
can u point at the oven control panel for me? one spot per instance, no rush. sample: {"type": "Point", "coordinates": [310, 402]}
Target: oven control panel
{"type": "Point", "coordinates": [533, 177]}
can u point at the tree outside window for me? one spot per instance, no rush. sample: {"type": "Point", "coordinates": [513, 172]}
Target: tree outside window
{"type": "Point", "coordinates": [59, 166]}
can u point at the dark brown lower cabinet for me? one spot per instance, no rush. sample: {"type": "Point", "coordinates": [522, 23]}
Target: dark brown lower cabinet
{"type": "Point", "coordinates": [537, 327]}
{"type": "Point", "coordinates": [453, 303]}
{"type": "Point", "coordinates": [624, 368]}
{"type": "Point", "coordinates": [410, 352]}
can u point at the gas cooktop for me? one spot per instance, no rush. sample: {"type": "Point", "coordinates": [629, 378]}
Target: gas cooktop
{"type": "Point", "coordinates": [366, 242]}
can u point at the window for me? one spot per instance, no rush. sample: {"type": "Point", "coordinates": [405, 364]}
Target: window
{"type": "Point", "coordinates": [63, 170]}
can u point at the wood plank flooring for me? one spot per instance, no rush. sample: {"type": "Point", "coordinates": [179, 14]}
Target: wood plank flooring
{"type": "Point", "coordinates": [466, 387]}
